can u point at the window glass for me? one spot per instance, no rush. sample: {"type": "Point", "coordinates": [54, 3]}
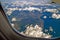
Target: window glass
{"type": "Point", "coordinates": [33, 18]}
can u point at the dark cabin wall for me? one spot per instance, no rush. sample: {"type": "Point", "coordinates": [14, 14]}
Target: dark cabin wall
{"type": "Point", "coordinates": [56, 1]}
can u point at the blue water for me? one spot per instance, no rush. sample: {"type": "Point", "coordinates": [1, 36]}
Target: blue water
{"type": "Point", "coordinates": [34, 18]}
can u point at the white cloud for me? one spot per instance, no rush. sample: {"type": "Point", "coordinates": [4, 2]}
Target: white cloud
{"type": "Point", "coordinates": [32, 8]}
{"type": "Point", "coordinates": [35, 31]}
{"type": "Point", "coordinates": [51, 10]}
{"type": "Point", "coordinates": [14, 19]}
{"type": "Point", "coordinates": [12, 25]}
{"type": "Point", "coordinates": [26, 8]}
{"type": "Point", "coordinates": [45, 17]}
{"type": "Point", "coordinates": [56, 16]}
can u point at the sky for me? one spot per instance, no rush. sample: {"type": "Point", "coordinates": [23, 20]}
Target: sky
{"type": "Point", "coordinates": [25, 0]}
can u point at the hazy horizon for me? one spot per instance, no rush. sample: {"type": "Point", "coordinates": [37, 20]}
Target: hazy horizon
{"type": "Point", "coordinates": [38, 1]}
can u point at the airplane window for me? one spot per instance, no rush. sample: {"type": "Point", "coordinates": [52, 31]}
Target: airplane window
{"type": "Point", "coordinates": [33, 18]}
